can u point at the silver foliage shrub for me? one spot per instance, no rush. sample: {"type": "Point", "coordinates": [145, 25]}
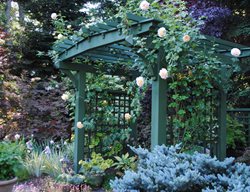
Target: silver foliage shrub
{"type": "Point", "coordinates": [164, 169]}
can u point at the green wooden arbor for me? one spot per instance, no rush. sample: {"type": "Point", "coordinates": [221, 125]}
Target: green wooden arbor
{"type": "Point", "coordinates": [107, 43]}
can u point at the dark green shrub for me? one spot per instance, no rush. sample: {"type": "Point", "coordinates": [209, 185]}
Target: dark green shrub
{"type": "Point", "coordinates": [10, 154]}
{"type": "Point", "coordinates": [235, 133]}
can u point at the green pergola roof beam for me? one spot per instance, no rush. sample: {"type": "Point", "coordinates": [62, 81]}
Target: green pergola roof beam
{"type": "Point", "coordinates": [136, 18]}
{"type": "Point", "coordinates": [110, 54]}
{"type": "Point", "coordinates": [91, 69]}
{"type": "Point", "coordinates": [106, 38]}
{"type": "Point", "coordinates": [104, 27]}
{"type": "Point", "coordinates": [223, 42]}
{"type": "Point", "coordinates": [104, 57]}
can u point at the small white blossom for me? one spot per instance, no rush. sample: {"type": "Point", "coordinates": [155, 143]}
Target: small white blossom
{"type": "Point", "coordinates": [144, 5]}
{"type": "Point", "coordinates": [235, 52]}
{"type": "Point", "coordinates": [163, 73]}
{"type": "Point", "coordinates": [60, 36]}
{"type": "Point", "coordinates": [29, 145]}
{"type": "Point", "coordinates": [162, 32]}
{"type": "Point", "coordinates": [35, 79]}
{"type": "Point", "coordinates": [127, 116]}
{"type": "Point", "coordinates": [48, 88]}
{"type": "Point", "coordinates": [52, 142]}
{"type": "Point", "coordinates": [54, 16]}
{"type": "Point", "coordinates": [79, 125]}
{"type": "Point", "coordinates": [6, 138]}
{"type": "Point", "coordinates": [186, 38]}
{"type": "Point", "coordinates": [65, 97]}
{"type": "Point", "coordinates": [47, 150]}
{"type": "Point", "coordinates": [140, 81]}
{"type": "Point", "coordinates": [69, 26]}
{"type": "Point", "coordinates": [17, 136]}
{"type": "Point", "coordinates": [65, 143]}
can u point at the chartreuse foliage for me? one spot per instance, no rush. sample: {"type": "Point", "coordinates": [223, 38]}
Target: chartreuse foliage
{"type": "Point", "coordinates": [164, 169]}
{"type": "Point", "coordinates": [97, 165]}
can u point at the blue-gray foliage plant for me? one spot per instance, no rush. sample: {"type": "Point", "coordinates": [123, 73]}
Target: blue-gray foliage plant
{"type": "Point", "coordinates": [165, 169]}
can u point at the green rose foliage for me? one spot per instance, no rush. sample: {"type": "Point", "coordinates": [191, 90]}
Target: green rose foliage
{"type": "Point", "coordinates": [193, 69]}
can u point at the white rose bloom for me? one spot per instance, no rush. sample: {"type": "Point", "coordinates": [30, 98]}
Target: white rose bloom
{"type": "Point", "coordinates": [69, 26]}
{"type": "Point", "coordinates": [140, 81]}
{"type": "Point", "coordinates": [144, 5]}
{"type": "Point", "coordinates": [17, 136]}
{"type": "Point", "coordinates": [54, 16]}
{"type": "Point", "coordinates": [163, 73]}
{"type": "Point", "coordinates": [127, 116]}
{"type": "Point", "coordinates": [186, 38]}
{"type": "Point", "coordinates": [235, 52]}
{"type": "Point", "coordinates": [65, 97]}
{"type": "Point", "coordinates": [60, 36]}
{"type": "Point", "coordinates": [79, 125]}
{"type": "Point", "coordinates": [162, 32]}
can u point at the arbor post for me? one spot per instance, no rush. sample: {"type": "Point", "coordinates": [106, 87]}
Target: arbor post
{"type": "Point", "coordinates": [79, 115]}
{"type": "Point", "coordinates": [159, 105]}
{"type": "Point", "coordinates": [222, 132]}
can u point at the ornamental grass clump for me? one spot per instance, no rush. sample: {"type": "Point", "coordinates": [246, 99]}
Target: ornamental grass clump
{"type": "Point", "coordinates": [165, 169]}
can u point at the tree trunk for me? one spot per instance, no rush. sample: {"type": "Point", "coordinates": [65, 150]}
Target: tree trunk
{"type": "Point", "coordinates": [21, 13]}
{"type": "Point", "coordinates": [7, 12]}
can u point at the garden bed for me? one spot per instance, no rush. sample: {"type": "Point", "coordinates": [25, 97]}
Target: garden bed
{"type": "Point", "coordinates": [47, 184]}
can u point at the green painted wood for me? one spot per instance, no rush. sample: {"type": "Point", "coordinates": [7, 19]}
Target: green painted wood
{"type": "Point", "coordinates": [159, 107]}
{"type": "Point", "coordinates": [222, 130]}
{"type": "Point", "coordinates": [75, 38]}
{"type": "Point", "coordinates": [85, 30]}
{"type": "Point", "coordinates": [90, 69]}
{"type": "Point", "coordinates": [106, 60]}
{"type": "Point", "coordinates": [121, 47]}
{"type": "Point", "coordinates": [104, 27]}
{"type": "Point", "coordinates": [75, 67]}
{"type": "Point", "coordinates": [112, 24]}
{"type": "Point", "coordinates": [68, 42]}
{"type": "Point", "coordinates": [97, 40]}
{"type": "Point", "coordinates": [95, 29]}
{"type": "Point", "coordinates": [71, 76]}
{"type": "Point", "coordinates": [224, 42]}
{"type": "Point", "coordinates": [136, 18]}
{"type": "Point", "coordinates": [109, 57]}
{"type": "Point", "coordinates": [58, 49]}
{"type": "Point", "coordinates": [107, 52]}
{"type": "Point", "coordinates": [239, 110]}
{"type": "Point", "coordinates": [79, 115]}
{"type": "Point", "coordinates": [64, 46]}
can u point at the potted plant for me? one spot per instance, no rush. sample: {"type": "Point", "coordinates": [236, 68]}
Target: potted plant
{"type": "Point", "coordinates": [94, 169]}
{"type": "Point", "coordinates": [10, 153]}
